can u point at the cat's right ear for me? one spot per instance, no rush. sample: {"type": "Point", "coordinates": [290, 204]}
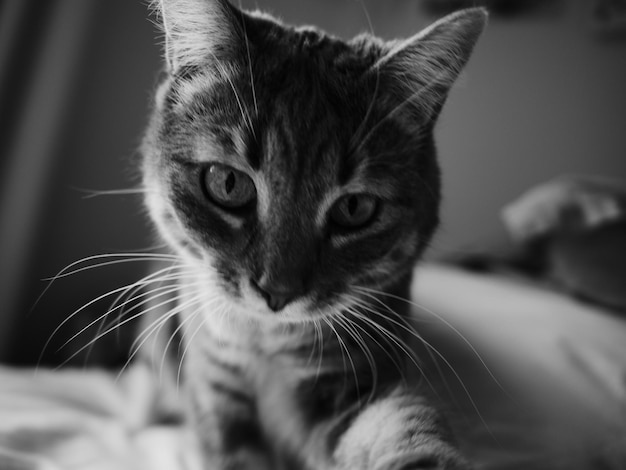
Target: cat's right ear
{"type": "Point", "coordinates": [198, 31]}
{"type": "Point", "coordinates": [423, 68]}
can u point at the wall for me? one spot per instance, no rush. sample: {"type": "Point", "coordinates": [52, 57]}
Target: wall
{"type": "Point", "coordinates": [542, 97]}
{"type": "Point", "coordinates": [99, 131]}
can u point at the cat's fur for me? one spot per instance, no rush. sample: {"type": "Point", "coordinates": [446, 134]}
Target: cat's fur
{"type": "Point", "coordinates": [293, 335]}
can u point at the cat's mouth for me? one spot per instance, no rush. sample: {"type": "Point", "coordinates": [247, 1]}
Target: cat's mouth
{"type": "Point", "coordinates": [253, 302]}
{"type": "Point", "coordinates": [245, 297]}
{"type": "Point", "coordinates": [268, 302]}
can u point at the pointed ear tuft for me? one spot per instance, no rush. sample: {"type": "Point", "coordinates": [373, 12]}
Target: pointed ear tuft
{"type": "Point", "coordinates": [426, 65]}
{"type": "Point", "coordinates": [197, 31]}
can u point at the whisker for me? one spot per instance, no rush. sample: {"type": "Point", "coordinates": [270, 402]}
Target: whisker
{"type": "Point", "coordinates": [343, 347]}
{"type": "Point", "coordinates": [352, 311]}
{"type": "Point", "coordinates": [186, 348]}
{"type": "Point", "coordinates": [93, 193]}
{"type": "Point", "coordinates": [203, 304]}
{"type": "Point", "coordinates": [179, 307]}
{"type": "Point", "coordinates": [401, 322]}
{"type": "Point", "coordinates": [319, 339]}
{"type": "Point", "coordinates": [167, 290]}
{"type": "Point", "coordinates": [398, 342]}
{"type": "Point", "coordinates": [180, 326]}
{"type": "Point", "coordinates": [157, 323]}
{"type": "Point", "coordinates": [370, 108]}
{"type": "Point", "coordinates": [76, 312]}
{"type": "Point", "coordinates": [131, 296]}
{"type": "Point", "coordinates": [404, 325]}
{"type": "Point", "coordinates": [102, 265]}
{"type": "Point", "coordinates": [245, 33]}
{"type": "Point", "coordinates": [446, 362]}
{"type": "Point", "coordinates": [347, 325]}
{"type": "Point", "coordinates": [64, 271]}
{"type": "Point", "coordinates": [109, 330]}
{"type": "Point", "coordinates": [144, 281]}
{"type": "Point", "coordinates": [449, 325]}
{"type": "Point", "coordinates": [153, 327]}
{"type": "Point", "coordinates": [189, 341]}
{"type": "Point", "coordinates": [134, 257]}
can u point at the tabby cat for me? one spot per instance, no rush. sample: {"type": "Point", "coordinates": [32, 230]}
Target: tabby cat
{"type": "Point", "coordinates": [294, 176]}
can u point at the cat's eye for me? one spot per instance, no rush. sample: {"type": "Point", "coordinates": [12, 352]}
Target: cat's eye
{"type": "Point", "coordinates": [227, 187]}
{"type": "Point", "coordinates": [353, 210]}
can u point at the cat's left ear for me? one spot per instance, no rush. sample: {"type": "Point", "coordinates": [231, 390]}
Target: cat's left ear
{"type": "Point", "coordinates": [423, 68]}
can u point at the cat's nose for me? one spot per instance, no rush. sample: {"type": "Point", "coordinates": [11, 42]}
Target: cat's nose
{"type": "Point", "coordinates": [276, 295]}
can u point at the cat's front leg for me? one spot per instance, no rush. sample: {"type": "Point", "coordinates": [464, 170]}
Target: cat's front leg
{"type": "Point", "coordinates": [398, 432]}
{"type": "Point", "coordinates": [227, 429]}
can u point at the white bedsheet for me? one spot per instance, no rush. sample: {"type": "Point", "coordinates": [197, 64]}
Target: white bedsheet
{"type": "Point", "coordinates": [531, 379]}
{"type": "Point", "coordinates": [561, 367]}
{"type": "Point", "coordinates": [86, 420]}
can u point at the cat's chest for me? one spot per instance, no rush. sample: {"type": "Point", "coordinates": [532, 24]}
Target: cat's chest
{"type": "Point", "coordinates": [288, 379]}
{"type": "Point", "coordinates": [249, 353]}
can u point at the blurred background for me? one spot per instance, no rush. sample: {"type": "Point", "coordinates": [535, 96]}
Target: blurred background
{"type": "Point", "coordinates": [544, 95]}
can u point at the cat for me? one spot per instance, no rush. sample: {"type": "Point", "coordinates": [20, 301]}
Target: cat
{"type": "Point", "coordinates": [294, 176]}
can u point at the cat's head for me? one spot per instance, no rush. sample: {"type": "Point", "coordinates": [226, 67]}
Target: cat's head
{"type": "Point", "coordinates": [291, 167]}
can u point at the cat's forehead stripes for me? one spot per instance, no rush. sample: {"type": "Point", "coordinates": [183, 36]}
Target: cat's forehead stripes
{"type": "Point", "coordinates": [227, 146]}
{"type": "Point", "coordinates": [185, 89]}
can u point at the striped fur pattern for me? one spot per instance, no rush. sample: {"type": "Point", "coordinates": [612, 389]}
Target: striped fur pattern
{"type": "Point", "coordinates": [294, 175]}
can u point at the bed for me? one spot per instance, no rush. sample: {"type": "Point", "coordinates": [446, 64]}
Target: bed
{"type": "Point", "coordinates": [531, 379]}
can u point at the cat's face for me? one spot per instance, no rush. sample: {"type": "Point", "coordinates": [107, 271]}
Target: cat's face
{"type": "Point", "coordinates": [290, 167]}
